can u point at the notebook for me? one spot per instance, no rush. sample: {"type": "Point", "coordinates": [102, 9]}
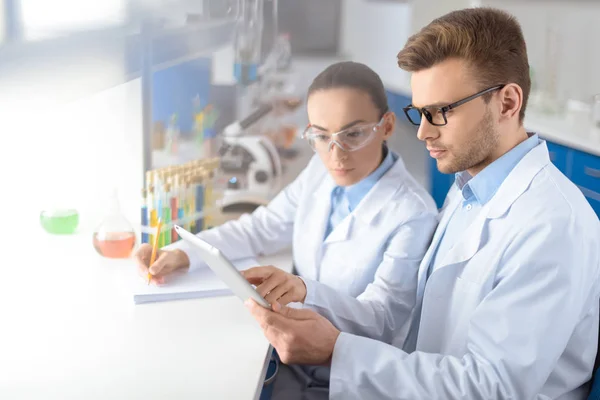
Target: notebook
{"type": "Point", "coordinates": [182, 285]}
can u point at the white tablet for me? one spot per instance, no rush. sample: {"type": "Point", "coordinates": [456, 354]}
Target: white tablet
{"type": "Point", "coordinates": [223, 268]}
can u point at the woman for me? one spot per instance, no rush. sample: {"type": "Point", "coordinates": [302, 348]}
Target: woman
{"type": "Point", "coordinates": [358, 221]}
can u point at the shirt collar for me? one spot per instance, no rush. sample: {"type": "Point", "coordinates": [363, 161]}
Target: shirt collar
{"type": "Point", "coordinates": [485, 184]}
{"type": "Point", "coordinates": [355, 193]}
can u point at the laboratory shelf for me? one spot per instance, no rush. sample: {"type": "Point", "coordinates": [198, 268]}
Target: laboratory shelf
{"type": "Point", "coordinates": [164, 46]}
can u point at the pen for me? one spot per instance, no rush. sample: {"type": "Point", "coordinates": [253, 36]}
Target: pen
{"type": "Point", "coordinates": [154, 247]}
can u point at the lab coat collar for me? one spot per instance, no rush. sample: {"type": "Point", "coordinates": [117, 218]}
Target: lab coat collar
{"type": "Point", "coordinates": [372, 203]}
{"type": "Point", "coordinates": [511, 189]}
{"type": "Point", "coordinates": [519, 179]}
{"type": "Point", "coordinates": [382, 192]}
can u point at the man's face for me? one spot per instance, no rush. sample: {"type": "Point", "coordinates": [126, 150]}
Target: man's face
{"type": "Point", "coordinates": [468, 140]}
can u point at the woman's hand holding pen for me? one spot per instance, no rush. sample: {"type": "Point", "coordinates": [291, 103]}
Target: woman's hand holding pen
{"type": "Point", "coordinates": [166, 262]}
{"type": "Point", "coordinates": [276, 285]}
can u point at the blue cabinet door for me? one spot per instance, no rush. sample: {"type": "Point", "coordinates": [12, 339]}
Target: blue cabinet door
{"type": "Point", "coordinates": [586, 175]}
{"type": "Point", "coordinates": [586, 170]}
{"type": "Point", "coordinates": [559, 155]}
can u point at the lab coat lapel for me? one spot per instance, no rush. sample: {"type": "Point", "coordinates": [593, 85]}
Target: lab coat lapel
{"type": "Point", "coordinates": [427, 259]}
{"type": "Point", "coordinates": [319, 218]}
{"type": "Point", "coordinates": [513, 186]}
{"type": "Point", "coordinates": [371, 204]}
{"type": "Point", "coordinates": [341, 232]}
{"type": "Point", "coordinates": [468, 244]}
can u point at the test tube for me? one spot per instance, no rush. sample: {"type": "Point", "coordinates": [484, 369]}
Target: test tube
{"type": "Point", "coordinates": [144, 215]}
{"type": "Point", "coordinates": [207, 206]}
{"type": "Point", "coordinates": [174, 206]}
{"type": "Point", "coordinates": [199, 190]}
{"type": "Point", "coordinates": [180, 198]}
{"type": "Point", "coordinates": [166, 234]}
{"type": "Point", "coordinates": [153, 216]}
{"type": "Point", "coordinates": [188, 201]}
{"type": "Point", "coordinates": [194, 200]}
{"type": "Point", "coordinates": [159, 198]}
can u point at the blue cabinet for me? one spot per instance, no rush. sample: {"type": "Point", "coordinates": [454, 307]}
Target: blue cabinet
{"type": "Point", "coordinates": [559, 155]}
{"type": "Point", "coordinates": [585, 173]}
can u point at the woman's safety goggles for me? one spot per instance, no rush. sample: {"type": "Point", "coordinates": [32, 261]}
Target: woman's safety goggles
{"type": "Point", "coordinates": [350, 139]}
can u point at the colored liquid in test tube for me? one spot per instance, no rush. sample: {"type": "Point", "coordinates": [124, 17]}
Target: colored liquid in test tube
{"type": "Point", "coordinates": [174, 208]}
{"type": "Point", "coordinates": [167, 215]}
{"type": "Point", "coordinates": [208, 200]}
{"type": "Point", "coordinates": [144, 215]}
{"type": "Point", "coordinates": [199, 200]}
{"type": "Point", "coordinates": [180, 200]}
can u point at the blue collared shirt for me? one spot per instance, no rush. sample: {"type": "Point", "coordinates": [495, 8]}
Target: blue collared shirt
{"type": "Point", "coordinates": [345, 199]}
{"type": "Point", "coordinates": [476, 192]}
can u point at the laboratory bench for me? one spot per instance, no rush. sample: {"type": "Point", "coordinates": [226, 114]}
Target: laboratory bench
{"type": "Point", "coordinates": [70, 330]}
{"type": "Point", "coordinates": [574, 148]}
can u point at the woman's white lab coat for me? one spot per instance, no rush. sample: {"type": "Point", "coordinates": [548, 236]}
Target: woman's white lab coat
{"type": "Point", "coordinates": [372, 255]}
{"type": "Point", "coordinates": [510, 313]}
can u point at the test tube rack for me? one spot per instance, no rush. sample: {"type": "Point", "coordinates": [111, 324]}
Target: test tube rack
{"type": "Point", "coordinates": [186, 195]}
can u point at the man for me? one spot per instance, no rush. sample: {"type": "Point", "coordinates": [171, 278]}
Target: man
{"type": "Point", "coordinates": [508, 292]}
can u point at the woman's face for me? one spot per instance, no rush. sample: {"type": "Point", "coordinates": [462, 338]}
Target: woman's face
{"type": "Point", "coordinates": [334, 110]}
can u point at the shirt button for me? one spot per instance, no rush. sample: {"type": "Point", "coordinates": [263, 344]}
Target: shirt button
{"type": "Point", "coordinates": [469, 207]}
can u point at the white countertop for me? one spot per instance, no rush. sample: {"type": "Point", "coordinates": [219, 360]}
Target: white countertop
{"type": "Point", "coordinates": [69, 331]}
{"type": "Point", "coordinates": [578, 134]}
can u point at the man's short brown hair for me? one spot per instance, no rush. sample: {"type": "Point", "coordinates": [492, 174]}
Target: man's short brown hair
{"type": "Point", "coordinates": [490, 40]}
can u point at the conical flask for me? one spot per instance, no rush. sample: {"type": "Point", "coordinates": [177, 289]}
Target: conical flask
{"type": "Point", "coordinates": [114, 237]}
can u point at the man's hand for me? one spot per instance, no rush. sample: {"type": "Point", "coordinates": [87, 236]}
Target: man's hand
{"type": "Point", "coordinates": [276, 285]}
{"type": "Point", "coordinates": [299, 336]}
{"type": "Point", "coordinates": [166, 262]}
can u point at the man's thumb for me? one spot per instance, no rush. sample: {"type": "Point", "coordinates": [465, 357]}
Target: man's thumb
{"type": "Point", "coordinates": [292, 313]}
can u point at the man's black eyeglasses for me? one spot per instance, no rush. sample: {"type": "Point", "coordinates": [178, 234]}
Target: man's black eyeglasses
{"type": "Point", "coordinates": [437, 115]}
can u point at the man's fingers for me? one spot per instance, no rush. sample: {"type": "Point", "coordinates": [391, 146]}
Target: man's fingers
{"type": "Point", "coordinates": [297, 314]}
{"type": "Point", "coordinates": [265, 317]}
{"type": "Point", "coordinates": [276, 293]}
{"type": "Point", "coordinates": [253, 281]}
{"type": "Point", "coordinates": [276, 306]}
{"type": "Point", "coordinates": [257, 274]}
{"type": "Point", "coordinates": [285, 299]}
{"type": "Point", "coordinates": [270, 284]}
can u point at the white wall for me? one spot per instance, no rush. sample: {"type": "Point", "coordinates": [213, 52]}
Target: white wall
{"type": "Point", "coordinates": [373, 33]}
{"type": "Point", "coordinates": [72, 154]}
{"type": "Point", "coordinates": [43, 18]}
{"type": "Point", "coordinates": [2, 21]}
{"type": "Point", "coordinates": [425, 11]}
{"type": "Point", "coordinates": [575, 26]}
